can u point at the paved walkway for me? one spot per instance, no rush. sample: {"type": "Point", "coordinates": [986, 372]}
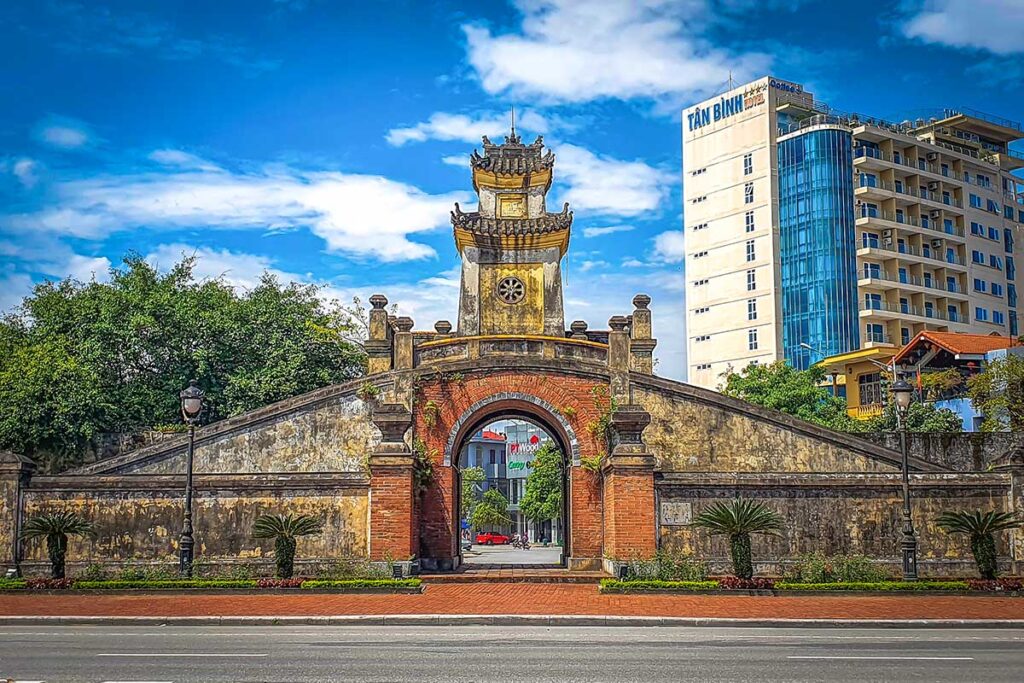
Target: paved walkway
{"type": "Point", "coordinates": [516, 598]}
{"type": "Point", "coordinates": [506, 554]}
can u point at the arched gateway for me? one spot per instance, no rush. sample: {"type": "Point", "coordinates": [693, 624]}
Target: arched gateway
{"type": "Point", "coordinates": [376, 458]}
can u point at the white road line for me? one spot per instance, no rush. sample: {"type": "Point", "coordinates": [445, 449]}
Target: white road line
{"type": "Point", "coordinates": [136, 682]}
{"type": "Point", "coordinates": [943, 659]}
{"type": "Point", "coordinates": [179, 654]}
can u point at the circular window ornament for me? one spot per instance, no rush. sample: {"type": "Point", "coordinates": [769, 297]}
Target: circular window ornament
{"type": "Point", "coordinates": [511, 290]}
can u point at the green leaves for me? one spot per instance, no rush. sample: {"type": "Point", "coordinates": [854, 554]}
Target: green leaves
{"type": "Point", "coordinates": [542, 499]}
{"type": "Point", "coordinates": [492, 510]}
{"type": "Point", "coordinates": [286, 526]}
{"type": "Point", "coordinates": [85, 358]}
{"type": "Point", "coordinates": [781, 387]}
{"type": "Point", "coordinates": [998, 393]}
{"type": "Point", "coordinates": [56, 524]}
{"type": "Point", "coordinates": [471, 479]}
{"type": "Point", "coordinates": [977, 522]}
{"type": "Point", "coordinates": [739, 517]}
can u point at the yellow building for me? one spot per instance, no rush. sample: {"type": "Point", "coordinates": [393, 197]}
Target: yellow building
{"type": "Point", "coordinates": [859, 375]}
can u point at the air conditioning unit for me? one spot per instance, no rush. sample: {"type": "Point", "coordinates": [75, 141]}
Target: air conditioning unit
{"type": "Point", "coordinates": [933, 185]}
{"type": "Point", "coordinates": [935, 213]}
{"type": "Point", "coordinates": [887, 241]}
{"type": "Point", "coordinates": [887, 234]}
{"type": "Point", "coordinates": [932, 156]}
{"type": "Point", "coordinates": [936, 244]}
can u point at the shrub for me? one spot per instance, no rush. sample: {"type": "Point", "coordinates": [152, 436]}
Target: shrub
{"type": "Point", "coordinates": [144, 572]}
{"type": "Point", "coordinates": [1006, 584]}
{"type": "Point", "coordinates": [614, 585]}
{"type": "Point", "coordinates": [48, 584]}
{"type": "Point", "coordinates": [55, 528]}
{"type": "Point", "coordinates": [279, 583]}
{"type": "Point", "coordinates": [284, 529]}
{"type": "Point", "coordinates": [160, 585]}
{"type": "Point", "coordinates": [12, 584]}
{"type": "Point", "coordinates": [216, 571]}
{"type": "Point", "coordinates": [981, 527]}
{"type": "Point", "coordinates": [94, 572]}
{"type": "Point", "coordinates": [875, 586]}
{"type": "Point", "coordinates": [820, 568]}
{"type": "Point", "coordinates": [737, 583]}
{"type": "Point", "coordinates": [335, 570]}
{"type": "Point", "coordinates": [737, 519]}
{"type": "Point", "coordinates": [363, 583]}
{"type": "Point", "coordinates": [668, 566]}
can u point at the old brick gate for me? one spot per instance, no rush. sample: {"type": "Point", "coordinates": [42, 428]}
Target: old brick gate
{"type": "Point", "coordinates": [375, 458]}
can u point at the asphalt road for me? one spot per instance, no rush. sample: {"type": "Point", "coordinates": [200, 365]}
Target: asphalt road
{"type": "Point", "coordinates": [515, 654]}
{"type": "Point", "coordinates": [506, 554]}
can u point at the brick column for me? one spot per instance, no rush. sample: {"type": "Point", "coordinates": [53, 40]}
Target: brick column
{"type": "Point", "coordinates": [392, 489]}
{"type": "Point", "coordinates": [629, 514]}
{"type": "Point", "coordinates": [15, 472]}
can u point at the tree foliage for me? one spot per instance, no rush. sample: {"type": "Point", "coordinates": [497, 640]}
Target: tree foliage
{"type": "Point", "coordinates": [55, 528]}
{"type": "Point", "coordinates": [737, 519]}
{"type": "Point", "coordinates": [921, 417]}
{"type": "Point", "coordinates": [998, 393]}
{"type": "Point", "coordinates": [284, 529]}
{"type": "Point", "coordinates": [782, 387]}
{"type": "Point", "coordinates": [981, 527]}
{"type": "Point", "coordinates": [542, 499]}
{"type": "Point", "coordinates": [471, 479]}
{"type": "Point", "coordinates": [80, 358]}
{"type": "Point", "coordinates": [492, 510]}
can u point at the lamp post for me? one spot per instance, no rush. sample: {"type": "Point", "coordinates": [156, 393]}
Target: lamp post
{"type": "Point", "coordinates": [901, 392]}
{"type": "Point", "coordinates": [191, 406]}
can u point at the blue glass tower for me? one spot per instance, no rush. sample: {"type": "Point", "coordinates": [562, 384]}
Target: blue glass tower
{"type": "Point", "coordinates": [817, 244]}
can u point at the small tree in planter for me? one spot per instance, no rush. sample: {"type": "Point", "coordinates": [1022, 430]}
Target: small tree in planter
{"type": "Point", "coordinates": [981, 527]}
{"type": "Point", "coordinates": [737, 519]}
{"type": "Point", "coordinates": [55, 528]}
{"type": "Point", "coordinates": [284, 529]}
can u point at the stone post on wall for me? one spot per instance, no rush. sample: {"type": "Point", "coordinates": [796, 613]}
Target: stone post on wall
{"type": "Point", "coordinates": [378, 345]}
{"type": "Point", "coordinates": [393, 524]}
{"type": "Point", "coordinates": [618, 359]}
{"type": "Point", "coordinates": [15, 472]}
{"type": "Point", "coordinates": [1013, 465]}
{"type": "Point", "coordinates": [641, 343]}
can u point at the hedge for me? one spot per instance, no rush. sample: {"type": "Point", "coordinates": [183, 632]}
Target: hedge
{"type": "Point", "coordinates": [9, 584]}
{"type": "Point", "coordinates": [164, 584]}
{"type": "Point", "coordinates": [876, 586]}
{"type": "Point", "coordinates": [362, 583]}
{"type": "Point", "coordinates": [656, 585]}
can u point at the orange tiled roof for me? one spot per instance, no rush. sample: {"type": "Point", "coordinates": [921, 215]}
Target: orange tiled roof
{"type": "Point", "coordinates": [957, 343]}
{"type": "Point", "coordinates": [493, 436]}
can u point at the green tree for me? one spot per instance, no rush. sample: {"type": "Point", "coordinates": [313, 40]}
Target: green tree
{"type": "Point", "coordinates": [737, 519]}
{"type": "Point", "coordinates": [80, 358]}
{"type": "Point", "coordinates": [542, 498]}
{"type": "Point", "coordinates": [921, 417]}
{"type": "Point", "coordinates": [492, 510]}
{"type": "Point", "coordinates": [799, 393]}
{"type": "Point", "coordinates": [471, 479]}
{"type": "Point", "coordinates": [998, 393]}
{"type": "Point", "coordinates": [285, 529]}
{"type": "Point", "coordinates": [55, 528]}
{"type": "Point", "coordinates": [981, 527]}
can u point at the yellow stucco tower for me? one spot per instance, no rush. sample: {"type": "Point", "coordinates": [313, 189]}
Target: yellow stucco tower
{"type": "Point", "coordinates": [511, 247]}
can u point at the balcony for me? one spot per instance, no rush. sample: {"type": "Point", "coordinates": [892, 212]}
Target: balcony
{"type": "Point", "coordinates": [890, 220]}
{"type": "Point", "coordinates": [865, 412]}
{"type": "Point", "coordinates": [866, 157]}
{"type": "Point", "coordinates": [884, 280]}
{"type": "Point", "coordinates": [900, 310]}
{"type": "Point", "coordinates": [880, 249]}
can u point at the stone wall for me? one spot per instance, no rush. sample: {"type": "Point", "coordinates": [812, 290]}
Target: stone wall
{"type": "Point", "coordinates": [855, 514]}
{"type": "Point", "coordinates": [139, 518]}
{"type": "Point", "coordinates": [966, 452]}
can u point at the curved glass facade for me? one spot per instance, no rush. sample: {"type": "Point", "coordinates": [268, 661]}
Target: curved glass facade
{"type": "Point", "coordinates": [817, 245]}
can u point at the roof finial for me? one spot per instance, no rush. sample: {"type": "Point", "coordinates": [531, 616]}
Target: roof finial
{"type": "Point", "coordinates": [513, 120]}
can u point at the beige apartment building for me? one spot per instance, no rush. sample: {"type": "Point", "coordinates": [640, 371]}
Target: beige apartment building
{"type": "Point", "coordinates": [811, 232]}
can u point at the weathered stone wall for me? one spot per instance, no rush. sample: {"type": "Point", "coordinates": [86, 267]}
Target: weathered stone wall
{"type": "Point", "coordinates": [967, 452]}
{"type": "Point", "coordinates": [139, 518]}
{"type": "Point", "coordinates": [856, 514]}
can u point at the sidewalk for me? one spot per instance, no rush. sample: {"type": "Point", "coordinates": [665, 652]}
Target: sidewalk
{"type": "Point", "coordinates": [518, 599]}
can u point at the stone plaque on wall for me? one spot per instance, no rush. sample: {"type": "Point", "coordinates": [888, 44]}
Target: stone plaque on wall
{"type": "Point", "coordinates": [676, 513]}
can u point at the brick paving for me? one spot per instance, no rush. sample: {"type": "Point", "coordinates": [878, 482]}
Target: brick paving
{"type": "Point", "coordinates": [516, 598]}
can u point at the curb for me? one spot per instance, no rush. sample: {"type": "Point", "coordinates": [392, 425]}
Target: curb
{"type": "Point", "coordinates": [504, 620]}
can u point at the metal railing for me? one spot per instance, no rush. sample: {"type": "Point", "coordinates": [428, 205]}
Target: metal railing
{"type": "Point", "coordinates": [903, 219]}
{"type": "Point", "coordinates": [908, 309]}
{"type": "Point", "coordinates": [867, 243]}
{"type": "Point", "coordinates": [919, 165]}
{"type": "Point", "coordinates": [974, 113]}
{"type": "Point", "coordinates": [912, 280]}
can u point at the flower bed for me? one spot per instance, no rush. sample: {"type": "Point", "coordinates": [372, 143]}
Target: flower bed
{"type": "Point", "coordinates": [876, 586]}
{"type": "Point", "coordinates": [731, 583]}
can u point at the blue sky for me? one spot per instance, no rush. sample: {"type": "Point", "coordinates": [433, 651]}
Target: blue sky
{"type": "Point", "coordinates": [326, 141]}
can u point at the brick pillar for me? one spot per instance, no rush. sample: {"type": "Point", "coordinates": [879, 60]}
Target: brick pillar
{"type": "Point", "coordinates": [15, 472]}
{"type": "Point", "coordinates": [629, 514]}
{"type": "Point", "coordinates": [392, 488]}
{"type": "Point", "coordinates": [378, 345]}
{"type": "Point", "coordinates": [641, 345]}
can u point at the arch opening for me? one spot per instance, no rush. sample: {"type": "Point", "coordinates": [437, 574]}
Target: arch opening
{"type": "Point", "coordinates": [511, 485]}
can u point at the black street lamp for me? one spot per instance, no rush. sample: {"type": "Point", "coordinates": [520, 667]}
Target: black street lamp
{"type": "Point", "coordinates": [191, 407]}
{"type": "Point", "coordinates": [901, 392]}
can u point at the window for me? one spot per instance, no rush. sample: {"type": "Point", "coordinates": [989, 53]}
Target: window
{"type": "Point", "coordinates": [751, 309]}
{"type": "Point", "coordinates": [751, 280]}
{"type": "Point", "coordinates": [979, 285]}
{"type": "Point", "coordinates": [997, 289]}
{"type": "Point", "coordinates": [699, 283]}
{"type": "Point", "coordinates": [698, 200]}
{"type": "Point", "coordinates": [927, 279]}
{"type": "Point", "coordinates": [870, 388]}
{"type": "Point", "coordinates": [945, 170]}
{"type": "Point", "coordinates": [1011, 269]}
{"type": "Point", "coordinates": [998, 317]}
{"type": "Point", "coordinates": [1011, 296]}
{"type": "Point", "coordinates": [946, 199]}
{"type": "Point", "coordinates": [699, 254]}
{"type": "Point", "coordinates": [993, 233]}
{"type": "Point", "coordinates": [992, 206]}
{"type": "Point", "coordinates": [975, 201]}
{"type": "Point", "coordinates": [951, 284]}
{"type": "Point", "coordinates": [981, 314]}
{"type": "Point", "coordinates": [703, 309]}
{"type": "Point", "coordinates": [750, 250]}
{"type": "Point", "coordinates": [904, 336]}
{"type": "Point", "coordinates": [1007, 211]}
{"type": "Point", "coordinates": [953, 313]}
{"type": "Point", "coordinates": [494, 457]}
{"type": "Point", "coordinates": [947, 225]}
{"type": "Point", "coordinates": [748, 193]}
{"type": "Point", "coordinates": [901, 217]}
{"type": "Point", "coordinates": [903, 276]}
{"type": "Point", "coordinates": [700, 226]}
{"type": "Point", "coordinates": [872, 270]}
{"type": "Point", "coordinates": [704, 366]}
{"type": "Point", "coordinates": [904, 306]}
{"type": "Point", "coordinates": [984, 181]}
{"type": "Point", "coordinates": [899, 186]}
{"type": "Point", "coordinates": [748, 164]}
{"type": "Point", "coordinates": [967, 177]}
{"type": "Point", "coordinates": [1013, 324]}
{"type": "Point", "coordinates": [977, 256]}
{"type": "Point", "coordinates": [702, 338]}
{"type": "Point", "coordinates": [752, 340]}
{"type": "Point", "coordinates": [1007, 240]}
{"type": "Point", "coordinates": [869, 210]}
{"type": "Point", "coordinates": [699, 171]}
{"type": "Point", "coordinates": [868, 180]}
{"type": "Point", "coordinates": [869, 240]}
{"type": "Point", "coordinates": [872, 301]}
{"type": "Point", "coordinates": [1020, 215]}
{"type": "Point", "coordinates": [750, 221]}
{"type": "Point", "coordinates": [977, 228]}
{"type": "Point", "coordinates": [995, 261]}
{"type": "Point", "coordinates": [875, 332]}
{"type": "Point", "coordinates": [951, 255]}
{"type": "Point", "coordinates": [929, 309]}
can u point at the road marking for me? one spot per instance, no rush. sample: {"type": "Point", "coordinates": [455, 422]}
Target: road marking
{"type": "Point", "coordinates": [943, 659]}
{"type": "Point", "coordinates": [179, 654]}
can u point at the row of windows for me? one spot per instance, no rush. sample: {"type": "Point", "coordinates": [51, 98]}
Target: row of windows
{"type": "Point", "coordinates": [979, 230]}
{"type": "Point", "coordinates": [751, 281]}
{"type": "Point", "coordinates": [751, 341]}
{"type": "Point", "coordinates": [751, 309]}
{"type": "Point", "coordinates": [982, 286]}
{"type": "Point", "coordinates": [700, 226]}
{"type": "Point", "coordinates": [993, 260]}
{"type": "Point", "coordinates": [981, 314]}
{"type": "Point", "coordinates": [704, 366]}
{"type": "Point", "coordinates": [698, 200]}
{"type": "Point", "coordinates": [748, 222]}
{"type": "Point", "coordinates": [699, 171]}
{"type": "Point", "coordinates": [699, 254]}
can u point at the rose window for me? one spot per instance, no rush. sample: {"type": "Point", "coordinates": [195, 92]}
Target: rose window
{"type": "Point", "coordinates": [511, 290]}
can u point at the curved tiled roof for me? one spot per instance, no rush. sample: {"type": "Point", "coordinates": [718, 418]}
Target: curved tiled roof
{"type": "Point", "coordinates": [513, 157]}
{"type": "Point", "coordinates": [481, 225]}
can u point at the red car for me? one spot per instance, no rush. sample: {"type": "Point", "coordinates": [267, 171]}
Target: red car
{"type": "Point", "coordinates": [490, 538]}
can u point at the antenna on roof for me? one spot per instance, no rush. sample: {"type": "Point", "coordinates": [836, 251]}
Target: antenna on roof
{"type": "Point", "coordinates": [513, 120]}
{"type": "Point", "coordinates": [731, 85]}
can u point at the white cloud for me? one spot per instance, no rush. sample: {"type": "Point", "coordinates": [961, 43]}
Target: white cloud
{"type": "Point", "coordinates": [604, 185]}
{"type": "Point", "coordinates": [670, 247]}
{"type": "Point", "coordinates": [993, 25]}
{"type": "Point", "coordinates": [237, 269]}
{"type": "Point", "coordinates": [456, 160]}
{"type": "Point", "coordinates": [444, 126]}
{"type": "Point", "coordinates": [580, 50]}
{"type": "Point", "coordinates": [361, 215]}
{"type": "Point", "coordinates": [180, 159]}
{"type": "Point", "coordinates": [86, 268]}
{"type": "Point", "coordinates": [13, 288]}
{"type": "Point", "coordinates": [26, 171]}
{"type": "Point", "coordinates": [596, 232]}
{"type": "Point", "coordinates": [587, 266]}
{"type": "Point", "coordinates": [63, 136]}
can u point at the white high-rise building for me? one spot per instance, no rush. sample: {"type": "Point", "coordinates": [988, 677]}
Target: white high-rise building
{"type": "Point", "coordinates": [811, 232]}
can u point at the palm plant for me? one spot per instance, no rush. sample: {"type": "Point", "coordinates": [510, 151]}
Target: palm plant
{"type": "Point", "coordinates": [284, 529]}
{"type": "Point", "coordinates": [737, 519]}
{"type": "Point", "coordinates": [981, 527]}
{"type": "Point", "coordinates": [55, 528]}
